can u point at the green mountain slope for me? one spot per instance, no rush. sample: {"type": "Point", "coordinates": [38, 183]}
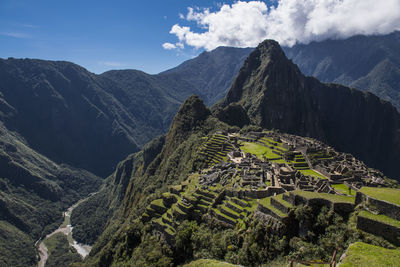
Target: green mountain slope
{"type": "Point", "coordinates": [34, 191]}
{"type": "Point", "coordinates": [190, 199]}
{"type": "Point", "coordinates": [94, 121]}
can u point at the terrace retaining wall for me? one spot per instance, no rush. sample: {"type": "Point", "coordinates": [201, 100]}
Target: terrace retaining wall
{"type": "Point", "coordinates": [386, 208]}
{"type": "Point", "coordinates": [386, 231]}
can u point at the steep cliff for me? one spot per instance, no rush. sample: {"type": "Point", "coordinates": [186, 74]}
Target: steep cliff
{"type": "Point", "coordinates": [275, 94]}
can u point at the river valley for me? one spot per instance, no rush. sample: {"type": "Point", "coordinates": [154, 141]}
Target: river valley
{"type": "Point", "coordinates": [66, 229]}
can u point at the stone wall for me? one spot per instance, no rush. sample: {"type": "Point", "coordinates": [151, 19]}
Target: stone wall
{"type": "Point", "coordinates": [227, 222]}
{"type": "Point", "coordinates": [386, 231]}
{"type": "Point", "coordinates": [296, 200]}
{"type": "Point", "coordinates": [280, 206]}
{"type": "Point", "coordinates": [386, 208]}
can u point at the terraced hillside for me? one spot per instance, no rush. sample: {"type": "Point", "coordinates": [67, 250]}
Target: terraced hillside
{"type": "Point", "coordinates": [381, 212]}
{"type": "Point", "coordinates": [243, 197]}
{"type": "Point", "coordinates": [216, 148]}
{"type": "Point", "coordinates": [222, 196]}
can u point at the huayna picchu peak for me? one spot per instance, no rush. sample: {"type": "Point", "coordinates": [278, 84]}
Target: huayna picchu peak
{"type": "Point", "coordinates": [275, 95]}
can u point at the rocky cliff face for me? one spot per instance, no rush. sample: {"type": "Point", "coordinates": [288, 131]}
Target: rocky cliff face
{"type": "Point", "coordinates": [275, 94]}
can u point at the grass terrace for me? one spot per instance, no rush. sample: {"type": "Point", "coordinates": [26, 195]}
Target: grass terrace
{"type": "Point", "coordinates": [266, 202]}
{"type": "Point", "coordinates": [330, 197]}
{"type": "Point", "coordinates": [282, 201]}
{"type": "Point", "coordinates": [362, 254]}
{"type": "Point", "coordinates": [313, 173]}
{"type": "Point", "coordinates": [386, 194]}
{"type": "Point", "coordinates": [209, 263]}
{"type": "Point", "coordinates": [258, 150]}
{"type": "Point", "coordinates": [379, 218]}
{"type": "Point", "coordinates": [343, 189]}
{"type": "Point", "coordinates": [215, 149]}
{"type": "Point", "coordinates": [158, 202]}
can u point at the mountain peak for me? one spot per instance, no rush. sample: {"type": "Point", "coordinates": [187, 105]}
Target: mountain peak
{"type": "Point", "coordinates": [266, 68]}
{"type": "Point", "coordinates": [190, 114]}
{"type": "Point", "coordinates": [276, 95]}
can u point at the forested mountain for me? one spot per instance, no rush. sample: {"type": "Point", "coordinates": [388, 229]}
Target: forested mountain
{"type": "Point", "coordinates": [370, 63]}
{"type": "Point", "coordinates": [181, 189]}
{"type": "Point", "coordinates": [60, 124]}
{"type": "Point", "coordinates": [94, 121]}
{"type": "Point", "coordinates": [34, 191]}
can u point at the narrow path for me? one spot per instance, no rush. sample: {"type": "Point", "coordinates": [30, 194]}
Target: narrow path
{"type": "Point", "coordinates": [66, 229]}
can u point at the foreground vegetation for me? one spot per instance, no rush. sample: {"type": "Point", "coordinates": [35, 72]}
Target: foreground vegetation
{"type": "Point", "coordinates": [61, 254]}
{"type": "Point", "coordinates": [362, 254]}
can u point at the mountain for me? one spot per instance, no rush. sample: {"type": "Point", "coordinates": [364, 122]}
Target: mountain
{"type": "Point", "coordinates": [211, 73]}
{"type": "Point", "coordinates": [370, 63]}
{"type": "Point", "coordinates": [246, 196]}
{"type": "Point", "coordinates": [34, 191]}
{"type": "Point", "coordinates": [276, 95]}
{"type": "Point", "coordinates": [94, 121]}
{"type": "Point", "coordinates": [167, 160]}
{"type": "Point", "coordinates": [61, 125]}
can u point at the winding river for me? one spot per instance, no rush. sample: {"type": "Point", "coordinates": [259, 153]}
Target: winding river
{"type": "Point", "coordinates": [65, 228]}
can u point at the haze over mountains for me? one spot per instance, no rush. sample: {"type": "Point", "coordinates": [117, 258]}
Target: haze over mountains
{"type": "Point", "coordinates": [370, 63]}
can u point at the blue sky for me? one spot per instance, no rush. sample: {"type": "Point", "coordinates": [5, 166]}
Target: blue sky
{"type": "Point", "coordinates": [99, 35]}
{"type": "Point", "coordinates": [154, 36]}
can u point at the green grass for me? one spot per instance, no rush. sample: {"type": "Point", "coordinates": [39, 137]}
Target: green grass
{"type": "Point", "coordinates": [330, 197]}
{"type": "Point", "coordinates": [60, 252]}
{"type": "Point", "coordinates": [313, 173]}
{"type": "Point", "coordinates": [224, 215]}
{"type": "Point", "coordinates": [176, 208]}
{"type": "Point", "coordinates": [235, 205]}
{"type": "Point", "coordinates": [283, 202]}
{"type": "Point", "coordinates": [266, 202]}
{"type": "Point", "coordinates": [158, 202]}
{"type": "Point", "coordinates": [278, 161]}
{"type": "Point", "coordinates": [231, 211]}
{"type": "Point", "coordinates": [258, 150]}
{"type": "Point", "coordinates": [362, 254]}
{"type": "Point", "coordinates": [386, 194]}
{"type": "Point", "coordinates": [379, 218]}
{"type": "Point", "coordinates": [343, 189]}
{"type": "Point", "coordinates": [208, 263]}
{"type": "Point", "coordinates": [269, 141]}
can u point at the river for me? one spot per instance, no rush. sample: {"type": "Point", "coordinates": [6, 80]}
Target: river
{"type": "Point", "coordinates": [65, 228]}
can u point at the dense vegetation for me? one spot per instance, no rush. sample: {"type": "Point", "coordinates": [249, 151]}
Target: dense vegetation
{"type": "Point", "coordinates": [321, 233]}
{"type": "Point", "coordinates": [16, 247]}
{"type": "Point", "coordinates": [34, 191]}
{"type": "Point", "coordinates": [61, 254]}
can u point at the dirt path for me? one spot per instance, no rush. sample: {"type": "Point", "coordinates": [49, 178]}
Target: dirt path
{"type": "Point", "coordinates": [43, 254]}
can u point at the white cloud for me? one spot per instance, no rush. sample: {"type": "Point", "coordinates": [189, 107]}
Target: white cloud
{"type": "Point", "coordinates": [168, 46]}
{"type": "Point", "coordinates": [244, 24]}
{"type": "Point", "coordinates": [16, 35]}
